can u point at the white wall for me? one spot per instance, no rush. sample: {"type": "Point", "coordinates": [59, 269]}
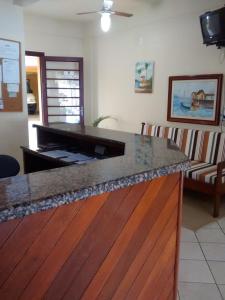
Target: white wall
{"type": "Point", "coordinates": [168, 34]}
{"type": "Point", "coordinates": [13, 126]}
{"type": "Point", "coordinates": [54, 37]}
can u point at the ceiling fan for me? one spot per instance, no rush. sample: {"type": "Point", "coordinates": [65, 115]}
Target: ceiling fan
{"type": "Point", "coordinates": [106, 13]}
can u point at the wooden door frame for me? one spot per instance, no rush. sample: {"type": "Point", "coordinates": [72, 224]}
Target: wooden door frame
{"type": "Point", "coordinates": [41, 56]}
{"type": "Point", "coordinates": [80, 60]}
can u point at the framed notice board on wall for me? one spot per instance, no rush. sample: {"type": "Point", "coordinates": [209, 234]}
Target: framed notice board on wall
{"type": "Point", "coordinates": [10, 76]}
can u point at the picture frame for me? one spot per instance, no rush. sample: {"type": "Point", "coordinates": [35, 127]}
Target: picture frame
{"type": "Point", "coordinates": [195, 99]}
{"type": "Point", "coordinates": [144, 76]}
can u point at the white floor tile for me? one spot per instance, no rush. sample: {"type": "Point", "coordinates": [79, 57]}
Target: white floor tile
{"type": "Point", "coordinates": [214, 251]}
{"type": "Point", "coordinates": [218, 270]}
{"type": "Point", "coordinates": [198, 291]}
{"type": "Point", "coordinates": [213, 225]}
{"type": "Point", "coordinates": [222, 223]}
{"type": "Point", "coordinates": [188, 235]}
{"type": "Point", "coordinates": [191, 251]}
{"type": "Point", "coordinates": [195, 271]}
{"type": "Point", "coordinates": [210, 235]}
{"type": "Point", "coordinates": [222, 290]}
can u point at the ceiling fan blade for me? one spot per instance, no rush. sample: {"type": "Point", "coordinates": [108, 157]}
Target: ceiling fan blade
{"type": "Point", "coordinates": [24, 2]}
{"type": "Point", "coordinates": [88, 13]}
{"type": "Point", "coordinates": [122, 14]}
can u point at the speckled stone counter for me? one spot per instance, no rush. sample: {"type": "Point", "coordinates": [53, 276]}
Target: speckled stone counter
{"type": "Point", "coordinates": [145, 158]}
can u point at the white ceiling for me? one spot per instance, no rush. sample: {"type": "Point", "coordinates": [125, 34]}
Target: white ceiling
{"type": "Point", "coordinates": [67, 9]}
{"type": "Point", "coordinates": [149, 9]}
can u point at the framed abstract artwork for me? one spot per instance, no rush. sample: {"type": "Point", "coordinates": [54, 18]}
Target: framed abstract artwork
{"type": "Point", "coordinates": [195, 99]}
{"type": "Point", "coordinates": [144, 71]}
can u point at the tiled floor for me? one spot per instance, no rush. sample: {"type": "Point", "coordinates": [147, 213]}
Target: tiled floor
{"type": "Point", "coordinates": [202, 263]}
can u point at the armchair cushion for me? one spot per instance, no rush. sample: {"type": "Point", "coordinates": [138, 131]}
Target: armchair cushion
{"type": "Point", "coordinates": [204, 172]}
{"type": "Point", "coordinates": [205, 146]}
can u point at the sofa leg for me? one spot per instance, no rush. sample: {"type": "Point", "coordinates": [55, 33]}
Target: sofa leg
{"type": "Point", "coordinates": [216, 208]}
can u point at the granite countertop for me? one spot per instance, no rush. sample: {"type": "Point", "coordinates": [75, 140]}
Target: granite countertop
{"type": "Point", "coordinates": [145, 158]}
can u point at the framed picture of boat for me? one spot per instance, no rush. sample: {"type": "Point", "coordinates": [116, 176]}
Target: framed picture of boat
{"type": "Point", "coordinates": [195, 99]}
{"type": "Point", "coordinates": [144, 71]}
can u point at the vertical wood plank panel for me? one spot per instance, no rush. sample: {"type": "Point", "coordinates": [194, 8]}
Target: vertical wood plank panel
{"type": "Point", "coordinates": [138, 239]}
{"type": "Point", "coordinates": [160, 272]}
{"type": "Point", "coordinates": [19, 242]}
{"type": "Point", "coordinates": [6, 229]}
{"type": "Point", "coordinates": [94, 261]}
{"type": "Point", "coordinates": [103, 221]}
{"type": "Point", "coordinates": [179, 224]}
{"type": "Point", "coordinates": [119, 245]}
{"type": "Point", "coordinates": [50, 268]}
{"type": "Point", "coordinates": [171, 296]}
{"type": "Point", "coordinates": [163, 227]}
{"type": "Point", "coordinates": [167, 287]}
{"type": "Point", "coordinates": [38, 251]}
{"type": "Point", "coordinates": [152, 261]}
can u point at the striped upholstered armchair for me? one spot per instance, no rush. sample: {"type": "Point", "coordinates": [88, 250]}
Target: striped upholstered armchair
{"type": "Point", "coordinates": [206, 150]}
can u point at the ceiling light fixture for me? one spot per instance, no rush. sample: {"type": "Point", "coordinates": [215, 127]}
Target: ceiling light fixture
{"type": "Point", "coordinates": [106, 13]}
{"type": "Point", "coordinates": [105, 21]}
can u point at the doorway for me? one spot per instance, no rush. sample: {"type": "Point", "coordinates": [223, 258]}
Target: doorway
{"type": "Point", "coordinates": [55, 91]}
{"type": "Point", "coordinates": [34, 77]}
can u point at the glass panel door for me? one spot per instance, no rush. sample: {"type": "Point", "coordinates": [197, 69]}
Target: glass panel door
{"type": "Point", "coordinates": [64, 90]}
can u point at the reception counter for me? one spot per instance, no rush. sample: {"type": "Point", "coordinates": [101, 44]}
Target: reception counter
{"type": "Point", "coordinates": [105, 229]}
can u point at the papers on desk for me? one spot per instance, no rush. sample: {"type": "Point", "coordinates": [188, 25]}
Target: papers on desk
{"type": "Point", "coordinates": [79, 157]}
{"type": "Point", "coordinates": [67, 156]}
{"type": "Point", "coordinates": [73, 159]}
{"type": "Point", "coordinates": [55, 153]}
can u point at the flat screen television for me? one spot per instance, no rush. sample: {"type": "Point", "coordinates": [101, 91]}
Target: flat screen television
{"type": "Point", "coordinates": [213, 27]}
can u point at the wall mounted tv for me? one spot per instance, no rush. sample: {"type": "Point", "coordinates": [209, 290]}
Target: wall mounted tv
{"type": "Point", "coordinates": [213, 27]}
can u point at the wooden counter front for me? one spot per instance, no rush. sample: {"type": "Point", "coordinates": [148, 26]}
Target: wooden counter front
{"type": "Point", "coordinates": [118, 245]}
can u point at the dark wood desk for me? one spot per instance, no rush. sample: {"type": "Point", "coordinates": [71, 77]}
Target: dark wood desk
{"type": "Point", "coordinates": [105, 230]}
{"type": "Point", "coordinates": [52, 139]}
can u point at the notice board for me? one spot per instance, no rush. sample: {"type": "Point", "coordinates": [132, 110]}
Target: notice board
{"type": "Point", "coordinates": [10, 76]}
